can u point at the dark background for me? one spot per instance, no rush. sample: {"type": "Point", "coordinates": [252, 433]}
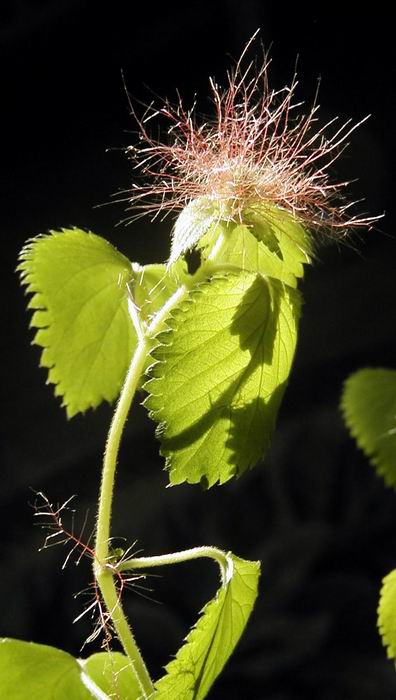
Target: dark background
{"type": "Point", "coordinates": [314, 513]}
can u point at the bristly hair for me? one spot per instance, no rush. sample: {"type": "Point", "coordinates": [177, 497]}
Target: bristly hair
{"type": "Point", "coordinates": [254, 151]}
{"type": "Point", "coordinates": [51, 520]}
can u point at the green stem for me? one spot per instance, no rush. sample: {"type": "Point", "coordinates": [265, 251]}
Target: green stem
{"type": "Point", "coordinates": [112, 447]}
{"type": "Point", "coordinates": [104, 572]}
{"type": "Point", "coordinates": [104, 575]}
{"type": "Point", "coordinates": [218, 555]}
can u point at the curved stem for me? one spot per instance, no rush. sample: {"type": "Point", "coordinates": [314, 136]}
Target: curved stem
{"type": "Point", "coordinates": [103, 574]}
{"type": "Point", "coordinates": [177, 558]}
{"type": "Point", "coordinates": [112, 447]}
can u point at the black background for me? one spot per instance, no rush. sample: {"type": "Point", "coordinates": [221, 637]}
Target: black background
{"type": "Point", "coordinates": [314, 513]}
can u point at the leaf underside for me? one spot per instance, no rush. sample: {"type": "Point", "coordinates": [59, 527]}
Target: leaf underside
{"type": "Point", "coordinates": [191, 224]}
{"type": "Point", "coordinates": [209, 644]}
{"type": "Point", "coordinates": [369, 408]}
{"type": "Point", "coordinates": [219, 375]}
{"type": "Point", "coordinates": [80, 302]}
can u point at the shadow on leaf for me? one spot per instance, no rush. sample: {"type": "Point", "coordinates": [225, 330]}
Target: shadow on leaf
{"type": "Point", "coordinates": [243, 424]}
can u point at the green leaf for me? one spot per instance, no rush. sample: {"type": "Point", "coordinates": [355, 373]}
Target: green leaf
{"type": "Point", "coordinates": [112, 673]}
{"type": "Point", "coordinates": [284, 237]}
{"type": "Point", "coordinates": [37, 672]}
{"type": "Point", "coordinates": [387, 614]}
{"type": "Point", "coordinates": [369, 407]}
{"type": "Point", "coordinates": [219, 375]}
{"type": "Point", "coordinates": [210, 643]}
{"type": "Point", "coordinates": [80, 297]}
{"type": "Point", "coordinates": [268, 240]}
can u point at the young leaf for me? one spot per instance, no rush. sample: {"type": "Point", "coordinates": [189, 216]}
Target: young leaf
{"type": "Point", "coordinates": [387, 614]}
{"type": "Point", "coordinates": [220, 372]}
{"type": "Point", "coordinates": [112, 673]}
{"type": "Point", "coordinates": [78, 281]}
{"type": "Point", "coordinates": [369, 407]}
{"type": "Point", "coordinates": [37, 672]}
{"type": "Point", "coordinates": [210, 643]}
{"type": "Point", "coordinates": [192, 223]}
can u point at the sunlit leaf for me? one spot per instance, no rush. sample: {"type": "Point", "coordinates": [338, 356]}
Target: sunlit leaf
{"type": "Point", "coordinates": [267, 240]}
{"type": "Point", "coordinates": [387, 614]}
{"type": "Point", "coordinates": [283, 235]}
{"type": "Point", "coordinates": [37, 672]}
{"type": "Point", "coordinates": [210, 643]}
{"type": "Point", "coordinates": [369, 408]}
{"type": "Point", "coordinates": [80, 302]}
{"type": "Point", "coordinates": [219, 375]}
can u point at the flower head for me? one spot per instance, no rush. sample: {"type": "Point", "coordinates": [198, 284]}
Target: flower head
{"type": "Point", "coordinates": [256, 150]}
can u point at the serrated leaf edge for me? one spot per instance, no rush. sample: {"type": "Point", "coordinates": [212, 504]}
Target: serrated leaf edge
{"type": "Point", "coordinates": [165, 334]}
{"type": "Point", "coordinates": [37, 303]}
{"type": "Point", "coordinates": [197, 630]}
{"type": "Point", "coordinates": [388, 583]}
{"type": "Point", "coordinates": [349, 415]}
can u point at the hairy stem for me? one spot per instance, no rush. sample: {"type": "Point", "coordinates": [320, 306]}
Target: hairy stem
{"type": "Point", "coordinates": [112, 448]}
{"type": "Point", "coordinates": [103, 573]}
{"type": "Point", "coordinates": [217, 555]}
